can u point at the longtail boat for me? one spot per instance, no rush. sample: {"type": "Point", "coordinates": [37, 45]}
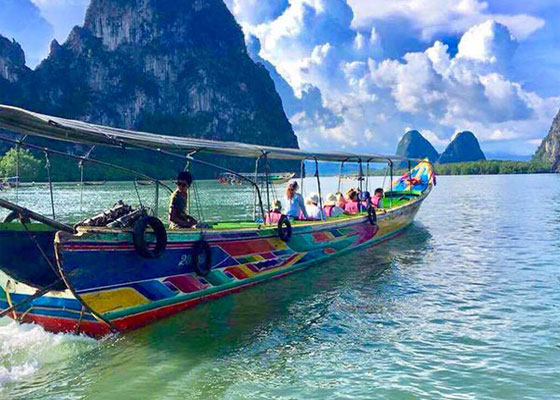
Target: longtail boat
{"type": "Point", "coordinates": [95, 280]}
{"type": "Point", "coordinates": [227, 178]}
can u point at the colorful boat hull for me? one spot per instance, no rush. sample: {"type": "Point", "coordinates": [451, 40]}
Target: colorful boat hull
{"type": "Point", "coordinates": [24, 254]}
{"type": "Point", "coordinates": [111, 288]}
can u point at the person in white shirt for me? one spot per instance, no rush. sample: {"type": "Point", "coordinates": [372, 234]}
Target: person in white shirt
{"type": "Point", "coordinates": [314, 213]}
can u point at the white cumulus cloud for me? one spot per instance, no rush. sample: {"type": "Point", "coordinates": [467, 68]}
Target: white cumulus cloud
{"type": "Point", "coordinates": [63, 15]}
{"type": "Point", "coordinates": [368, 99]}
{"type": "Point", "coordinates": [432, 17]}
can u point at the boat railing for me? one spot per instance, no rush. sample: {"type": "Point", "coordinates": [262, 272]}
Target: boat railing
{"type": "Point", "coordinates": [26, 123]}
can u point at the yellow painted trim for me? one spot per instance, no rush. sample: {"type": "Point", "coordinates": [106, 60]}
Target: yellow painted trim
{"type": "Point", "coordinates": [112, 300]}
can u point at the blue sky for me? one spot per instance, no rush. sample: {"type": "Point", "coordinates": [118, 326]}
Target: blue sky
{"type": "Point", "coordinates": [359, 73]}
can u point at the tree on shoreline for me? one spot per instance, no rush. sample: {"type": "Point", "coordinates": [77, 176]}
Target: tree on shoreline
{"type": "Point", "coordinates": [29, 166]}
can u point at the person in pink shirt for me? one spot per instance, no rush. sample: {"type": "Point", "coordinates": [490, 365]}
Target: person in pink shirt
{"type": "Point", "coordinates": [340, 200]}
{"type": "Point", "coordinates": [352, 205]}
{"type": "Point", "coordinates": [332, 210]}
{"type": "Point", "coordinates": [377, 199]}
{"type": "Point", "coordinates": [273, 216]}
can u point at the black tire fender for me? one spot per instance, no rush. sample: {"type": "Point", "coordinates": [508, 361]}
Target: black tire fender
{"type": "Point", "coordinates": [201, 258]}
{"type": "Point", "coordinates": [11, 217]}
{"type": "Point", "coordinates": [284, 228]}
{"type": "Point", "coordinates": [372, 216]}
{"type": "Point", "coordinates": [139, 237]}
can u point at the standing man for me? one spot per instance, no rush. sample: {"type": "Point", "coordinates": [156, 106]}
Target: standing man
{"type": "Point", "coordinates": [178, 216]}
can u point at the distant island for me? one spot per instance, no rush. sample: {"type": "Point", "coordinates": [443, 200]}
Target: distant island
{"type": "Point", "coordinates": [463, 156]}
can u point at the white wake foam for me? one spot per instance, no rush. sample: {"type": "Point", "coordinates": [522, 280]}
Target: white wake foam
{"type": "Point", "coordinates": [26, 348]}
{"type": "Point", "coordinates": [17, 372]}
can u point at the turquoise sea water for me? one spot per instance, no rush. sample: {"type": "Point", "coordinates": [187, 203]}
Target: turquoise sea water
{"type": "Point", "coordinates": [464, 305]}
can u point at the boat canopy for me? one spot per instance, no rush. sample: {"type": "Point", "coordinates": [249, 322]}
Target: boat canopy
{"type": "Point", "coordinates": [26, 122]}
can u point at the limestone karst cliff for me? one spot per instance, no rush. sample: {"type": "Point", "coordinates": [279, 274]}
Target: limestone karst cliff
{"type": "Point", "coordinates": [549, 150]}
{"type": "Point", "coordinates": [165, 66]}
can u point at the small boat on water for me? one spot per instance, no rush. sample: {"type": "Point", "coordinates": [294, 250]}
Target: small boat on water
{"type": "Point", "coordinates": [351, 177]}
{"type": "Point", "coordinates": [101, 183]}
{"type": "Point", "coordinates": [125, 268]}
{"type": "Point", "coordinates": [227, 178]}
{"type": "Point", "coordinates": [9, 182]}
{"type": "Point", "coordinates": [144, 183]}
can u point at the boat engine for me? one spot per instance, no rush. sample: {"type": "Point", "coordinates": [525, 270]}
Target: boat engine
{"type": "Point", "coordinates": [121, 215]}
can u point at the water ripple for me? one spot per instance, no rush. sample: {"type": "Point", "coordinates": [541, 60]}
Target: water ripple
{"type": "Point", "coordinates": [465, 305]}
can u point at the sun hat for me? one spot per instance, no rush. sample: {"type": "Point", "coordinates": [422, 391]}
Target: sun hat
{"type": "Point", "coordinates": [331, 200]}
{"type": "Point", "coordinates": [313, 198]}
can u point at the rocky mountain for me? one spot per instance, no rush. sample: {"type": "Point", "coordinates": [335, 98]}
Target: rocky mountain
{"type": "Point", "coordinates": [163, 66]}
{"type": "Point", "coordinates": [414, 145]}
{"type": "Point", "coordinates": [549, 150]}
{"type": "Point", "coordinates": [464, 147]}
{"type": "Point", "coordinates": [12, 70]}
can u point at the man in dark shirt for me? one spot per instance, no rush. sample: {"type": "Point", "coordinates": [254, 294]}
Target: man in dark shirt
{"type": "Point", "coordinates": [178, 216]}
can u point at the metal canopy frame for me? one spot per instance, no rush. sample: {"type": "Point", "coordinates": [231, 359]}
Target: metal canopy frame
{"type": "Point", "coordinates": [27, 123]}
{"type": "Point", "coordinates": [30, 123]}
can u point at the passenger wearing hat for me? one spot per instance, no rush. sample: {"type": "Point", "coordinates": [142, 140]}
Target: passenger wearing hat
{"type": "Point", "coordinates": [178, 216]}
{"type": "Point", "coordinates": [313, 211]}
{"type": "Point", "coordinates": [274, 215]}
{"type": "Point", "coordinates": [332, 210]}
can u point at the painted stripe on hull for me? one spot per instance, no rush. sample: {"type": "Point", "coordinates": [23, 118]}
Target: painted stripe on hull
{"type": "Point", "coordinates": [145, 318]}
{"type": "Point", "coordinates": [53, 321]}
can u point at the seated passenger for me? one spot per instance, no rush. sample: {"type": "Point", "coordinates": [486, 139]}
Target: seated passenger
{"type": "Point", "coordinates": [332, 210]}
{"type": "Point", "coordinates": [178, 213]}
{"type": "Point", "coordinates": [273, 216]}
{"type": "Point", "coordinates": [348, 193]}
{"type": "Point", "coordinates": [340, 200]}
{"type": "Point", "coordinates": [365, 200]}
{"type": "Point", "coordinates": [314, 213]}
{"type": "Point", "coordinates": [377, 200]}
{"type": "Point", "coordinates": [352, 205]}
{"type": "Point", "coordinates": [294, 201]}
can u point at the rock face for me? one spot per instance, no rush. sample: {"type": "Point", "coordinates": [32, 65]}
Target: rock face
{"type": "Point", "coordinates": [414, 145]}
{"type": "Point", "coordinates": [464, 147]}
{"type": "Point", "coordinates": [12, 70]}
{"type": "Point", "coordinates": [164, 66]}
{"type": "Point", "coordinates": [549, 150]}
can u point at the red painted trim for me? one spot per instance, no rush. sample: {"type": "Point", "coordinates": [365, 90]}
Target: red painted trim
{"type": "Point", "coordinates": [67, 325]}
